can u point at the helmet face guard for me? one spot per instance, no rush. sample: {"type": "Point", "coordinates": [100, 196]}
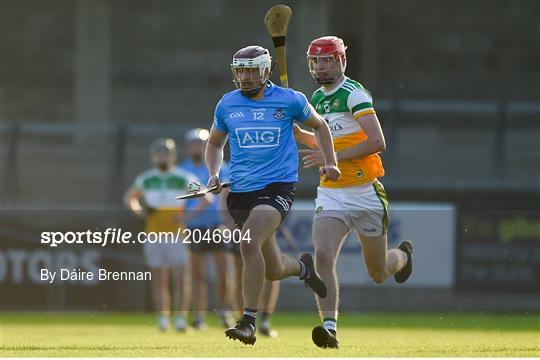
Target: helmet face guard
{"type": "Point", "coordinates": [326, 69]}
{"type": "Point", "coordinates": [327, 60]}
{"type": "Point", "coordinates": [251, 68]}
{"type": "Point", "coordinates": [163, 153]}
{"type": "Point", "coordinates": [195, 141]}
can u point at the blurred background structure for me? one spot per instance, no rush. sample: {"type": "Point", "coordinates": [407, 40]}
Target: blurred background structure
{"type": "Point", "coordinates": [87, 85]}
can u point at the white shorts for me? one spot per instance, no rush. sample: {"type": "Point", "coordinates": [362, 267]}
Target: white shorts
{"type": "Point", "coordinates": [165, 254]}
{"type": "Point", "coordinates": [363, 208]}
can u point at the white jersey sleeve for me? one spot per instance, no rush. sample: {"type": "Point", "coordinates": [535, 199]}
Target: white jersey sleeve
{"type": "Point", "coordinates": [360, 103]}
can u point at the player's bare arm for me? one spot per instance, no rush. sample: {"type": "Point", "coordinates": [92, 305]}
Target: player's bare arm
{"type": "Point", "coordinates": [214, 156]}
{"type": "Point", "coordinates": [329, 169]}
{"type": "Point", "coordinates": [132, 200]}
{"type": "Point", "coordinates": [374, 143]}
{"type": "Point", "coordinates": [305, 137]}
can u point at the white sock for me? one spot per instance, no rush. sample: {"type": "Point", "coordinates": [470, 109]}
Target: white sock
{"type": "Point", "coordinates": [303, 270]}
{"type": "Point", "coordinates": [330, 324]}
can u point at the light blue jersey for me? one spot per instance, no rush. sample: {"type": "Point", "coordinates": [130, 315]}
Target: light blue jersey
{"type": "Point", "coordinates": [261, 139]}
{"type": "Point", "coordinates": [211, 215]}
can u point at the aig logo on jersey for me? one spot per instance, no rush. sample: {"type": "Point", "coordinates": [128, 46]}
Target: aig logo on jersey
{"type": "Point", "coordinates": [255, 137]}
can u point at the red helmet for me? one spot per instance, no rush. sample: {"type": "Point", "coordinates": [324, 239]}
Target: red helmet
{"type": "Point", "coordinates": [258, 60]}
{"type": "Point", "coordinates": [327, 59]}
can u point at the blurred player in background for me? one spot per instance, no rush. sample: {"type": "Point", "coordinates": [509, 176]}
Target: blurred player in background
{"type": "Point", "coordinates": [152, 197]}
{"type": "Point", "coordinates": [208, 219]}
{"type": "Point", "coordinates": [258, 120]}
{"type": "Point", "coordinates": [357, 200]}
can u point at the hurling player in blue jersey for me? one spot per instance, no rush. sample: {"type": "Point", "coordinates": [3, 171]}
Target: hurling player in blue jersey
{"type": "Point", "coordinates": [209, 219]}
{"type": "Point", "coordinates": [257, 118]}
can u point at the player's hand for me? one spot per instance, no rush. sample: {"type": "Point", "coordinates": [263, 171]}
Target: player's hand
{"type": "Point", "coordinates": [140, 213]}
{"type": "Point", "coordinates": [141, 209]}
{"type": "Point", "coordinates": [312, 158]}
{"type": "Point", "coordinates": [330, 172]}
{"type": "Point", "coordinates": [213, 181]}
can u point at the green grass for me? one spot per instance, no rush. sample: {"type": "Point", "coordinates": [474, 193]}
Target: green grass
{"type": "Point", "coordinates": [361, 335]}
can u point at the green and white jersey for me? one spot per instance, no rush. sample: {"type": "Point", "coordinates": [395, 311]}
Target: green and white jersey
{"type": "Point", "coordinates": [160, 188]}
{"type": "Point", "coordinates": [342, 106]}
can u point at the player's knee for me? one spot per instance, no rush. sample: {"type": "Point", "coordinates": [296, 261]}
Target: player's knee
{"type": "Point", "coordinates": [263, 216]}
{"type": "Point", "coordinates": [272, 274]}
{"type": "Point", "coordinates": [324, 259]}
{"type": "Point", "coordinates": [377, 276]}
{"type": "Point", "coordinates": [248, 248]}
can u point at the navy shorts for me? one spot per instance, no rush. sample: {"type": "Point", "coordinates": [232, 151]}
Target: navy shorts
{"type": "Point", "coordinates": [278, 195]}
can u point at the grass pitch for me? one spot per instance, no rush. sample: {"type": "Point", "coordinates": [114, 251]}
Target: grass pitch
{"type": "Point", "coordinates": [361, 335]}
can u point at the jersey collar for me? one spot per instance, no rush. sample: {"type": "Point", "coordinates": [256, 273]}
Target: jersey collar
{"type": "Point", "coordinates": [269, 88]}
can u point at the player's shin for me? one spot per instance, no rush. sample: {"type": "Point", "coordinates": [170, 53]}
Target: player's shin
{"type": "Point", "coordinates": [252, 275]}
{"type": "Point", "coordinates": [328, 305]}
{"type": "Point", "coordinates": [328, 236]}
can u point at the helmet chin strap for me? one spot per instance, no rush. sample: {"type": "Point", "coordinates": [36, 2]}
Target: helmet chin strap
{"type": "Point", "coordinates": [251, 93]}
{"type": "Point", "coordinates": [328, 81]}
